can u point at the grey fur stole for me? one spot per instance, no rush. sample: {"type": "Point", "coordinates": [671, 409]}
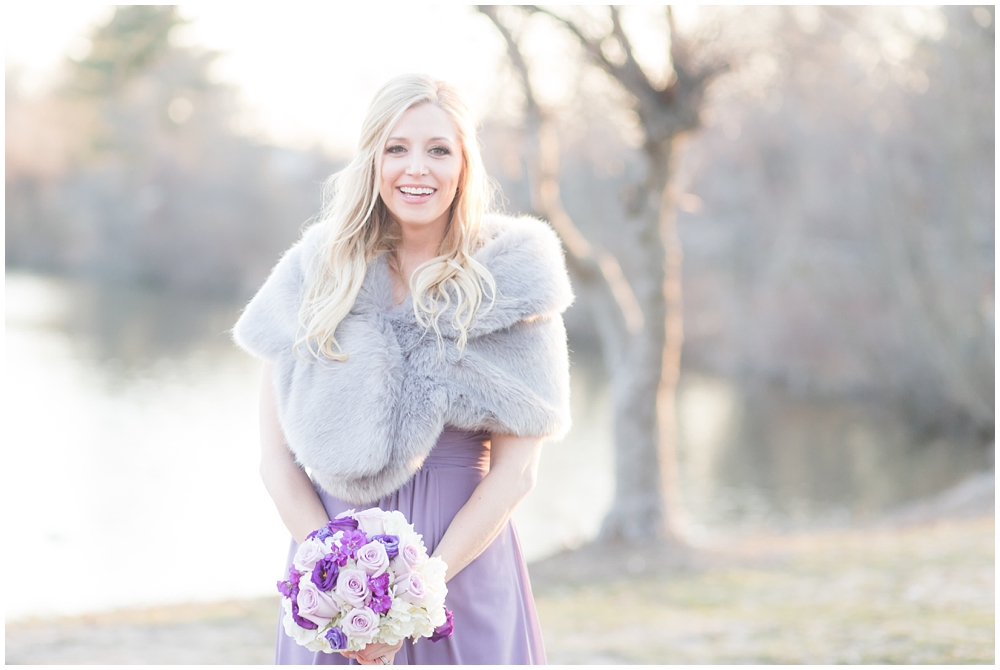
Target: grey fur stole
{"type": "Point", "coordinates": [363, 426]}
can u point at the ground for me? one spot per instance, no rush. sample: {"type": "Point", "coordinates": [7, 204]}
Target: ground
{"type": "Point", "coordinates": [901, 593]}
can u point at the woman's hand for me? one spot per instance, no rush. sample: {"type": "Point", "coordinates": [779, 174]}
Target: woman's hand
{"type": "Point", "coordinates": [373, 653]}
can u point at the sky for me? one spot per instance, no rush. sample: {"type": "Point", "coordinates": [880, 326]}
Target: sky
{"type": "Point", "coordinates": [306, 71]}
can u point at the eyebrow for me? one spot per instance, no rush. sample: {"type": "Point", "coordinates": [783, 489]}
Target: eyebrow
{"type": "Point", "coordinates": [433, 139]}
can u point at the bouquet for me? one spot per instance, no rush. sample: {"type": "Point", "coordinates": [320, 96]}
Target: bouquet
{"type": "Point", "coordinates": [364, 577]}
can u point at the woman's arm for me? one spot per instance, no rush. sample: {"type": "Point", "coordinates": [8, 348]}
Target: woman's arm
{"type": "Point", "coordinates": [513, 466]}
{"type": "Point", "coordinates": [287, 483]}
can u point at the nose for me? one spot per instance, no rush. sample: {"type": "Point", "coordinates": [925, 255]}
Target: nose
{"type": "Point", "coordinates": [416, 166]}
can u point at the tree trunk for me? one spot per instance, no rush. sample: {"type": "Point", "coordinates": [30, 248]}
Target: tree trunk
{"type": "Point", "coordinates": [647, 501]}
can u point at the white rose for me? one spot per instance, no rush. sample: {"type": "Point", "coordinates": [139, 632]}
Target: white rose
{"type": "Point", "coordinates": [436, 615]}
{"type": "Point", "coordinates": [395, 524]}
{"type": "Point", "coordinates": [422, 627]}
{"type": "Point", "coordinates": [435, 570]}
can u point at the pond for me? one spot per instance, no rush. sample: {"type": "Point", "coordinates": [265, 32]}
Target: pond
{"type": "Point", "coordinates": [131, 451]}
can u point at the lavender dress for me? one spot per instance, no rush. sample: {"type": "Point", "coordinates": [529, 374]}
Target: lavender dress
{"type": "Point", "coordinates": [495, 620]}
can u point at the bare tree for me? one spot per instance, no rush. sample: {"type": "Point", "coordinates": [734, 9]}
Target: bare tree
{"type": "Point", "coordinates": [640, 323]}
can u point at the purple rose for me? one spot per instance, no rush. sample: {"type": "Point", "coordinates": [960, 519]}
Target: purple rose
{"type": "Point", "coordinates": [379, 585]}
{"type": "Point", "coordinates": [344, 523]}
{"type": "Point", "coordinates": [360, 622]}
{"type": "Point", "coordinates": [324, 575]}
{"type": "Point", "coordinates": [372, 558]}
{"type": "Point", "coordinates": [352, 587]}
{"type": "Point", "coordinates": [336, 638]}
{"type": "Point", "coordinates": [445, 629]}
{"type": "Point", "coordinates": [352, 540]}
{"type": "Point", "coordinates": [391, 543]}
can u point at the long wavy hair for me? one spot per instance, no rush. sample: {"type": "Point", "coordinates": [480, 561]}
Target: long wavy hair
{"type": "Point", "coordinates": [357, 227]}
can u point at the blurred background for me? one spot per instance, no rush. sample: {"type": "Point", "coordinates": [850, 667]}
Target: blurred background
{"type": "Point", "coordinates": [834, 203]}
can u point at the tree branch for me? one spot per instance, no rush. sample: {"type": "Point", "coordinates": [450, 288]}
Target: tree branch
{"type": "Point", "coordinates": [589, 261]}
{"type": "Point", "coordinates": [630, 75]}
{"type": "Point", "coordinates": [516, 59]}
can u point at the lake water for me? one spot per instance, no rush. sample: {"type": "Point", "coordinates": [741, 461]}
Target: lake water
{"type": "Point", "coordinates": [131, 455]}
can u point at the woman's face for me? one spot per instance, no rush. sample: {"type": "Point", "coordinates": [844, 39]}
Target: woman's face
{"type": "Point", "coordinates": [421, 168]}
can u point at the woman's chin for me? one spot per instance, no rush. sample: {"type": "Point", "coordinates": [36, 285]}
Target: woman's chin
{"type": "Point", "coordinates": [412, 217]}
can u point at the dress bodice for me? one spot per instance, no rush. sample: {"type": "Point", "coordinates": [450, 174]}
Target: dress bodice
{"type": "Point", "coordinates": [458, 448]}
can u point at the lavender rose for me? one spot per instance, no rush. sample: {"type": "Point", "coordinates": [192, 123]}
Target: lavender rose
{"type": "Point", "coordinates": [413, 555]}
{"type": "Point", "coordinates": [412, 588]}
{"type": "Point", "coordinates": [315, 605]}
{"type": "Point", "coordinates": [360, 622]}
{"type": "Point", "coordinates": [445, 629]}
{"type": "Point", "coordinates": [324, 575]}
{"type": "Point", "coordinates": [370, 521]}
{"type": "Point", "coordinates": [308, 553]}
{"type": "Point", "coordinates": [336, 638]}
{"type": "Point", "coordinates": [352, 587]}
{"type": "Point", "coordinates": [372, 558]}
{"type": "Point", "coordinates": [391, 543]}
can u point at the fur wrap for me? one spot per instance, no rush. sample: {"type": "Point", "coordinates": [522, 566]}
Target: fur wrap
{"type": "Point", "coordinates": [363, 426]}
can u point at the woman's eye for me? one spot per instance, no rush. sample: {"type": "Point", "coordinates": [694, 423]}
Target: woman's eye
{"type": "Point", "coordinates": [440, 151]}
{"type": "Point", "coordinates": [395, 149]}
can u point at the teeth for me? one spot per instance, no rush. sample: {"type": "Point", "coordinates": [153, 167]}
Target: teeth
{"type": "Point", "coordinates": [416, 191]}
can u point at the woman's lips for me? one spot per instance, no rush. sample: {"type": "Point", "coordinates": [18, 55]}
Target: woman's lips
{"type": "Point", "coordinates": [415, 198]}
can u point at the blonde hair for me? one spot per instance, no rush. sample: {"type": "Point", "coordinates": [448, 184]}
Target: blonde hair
{"type": "Point", "coordinates": [357, 227]}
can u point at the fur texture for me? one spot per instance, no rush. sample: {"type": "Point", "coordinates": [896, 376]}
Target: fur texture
{"type": "Point", "coordinates": [363, 426]}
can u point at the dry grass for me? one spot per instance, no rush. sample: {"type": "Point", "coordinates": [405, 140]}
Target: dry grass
{"type": "Point", "coordinates": [916, 595]}
{"type": "Point", "coordinates": [921, 594]}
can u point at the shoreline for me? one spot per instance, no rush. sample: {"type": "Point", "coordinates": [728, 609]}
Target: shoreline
{"type": "Point", "coordinates": [915, 592]}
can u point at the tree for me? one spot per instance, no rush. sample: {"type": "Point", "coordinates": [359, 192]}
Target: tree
{"type": "Point", "coordinates": [155, 185]}
{"type": "Point", "coordinates": [639, 322]}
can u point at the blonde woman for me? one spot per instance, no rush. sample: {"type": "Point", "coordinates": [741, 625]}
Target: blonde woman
{"type": "Point", "coordinates": [414, 359]}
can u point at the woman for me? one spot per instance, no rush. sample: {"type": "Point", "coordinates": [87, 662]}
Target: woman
{"type": "Point", "coordinates": [415, 358]}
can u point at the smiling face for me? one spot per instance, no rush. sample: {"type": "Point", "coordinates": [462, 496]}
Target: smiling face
{"type": "Point", "coordinates": [421, 168]}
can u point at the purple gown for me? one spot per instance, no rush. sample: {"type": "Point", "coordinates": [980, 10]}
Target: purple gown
{"type": "Point", "coordinates": [495, 620]}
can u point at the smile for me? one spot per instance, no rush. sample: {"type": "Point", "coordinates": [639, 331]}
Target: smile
{"type": "Point", "coordinates": [411, 190]}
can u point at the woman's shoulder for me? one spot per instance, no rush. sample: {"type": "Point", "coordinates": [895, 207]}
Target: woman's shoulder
{"type": "Point", "coordinates": [502, 233]}
{"type": "Point", "coordinates": [525, 257]}
{"type": "Point", "coordinates": [269, 322]}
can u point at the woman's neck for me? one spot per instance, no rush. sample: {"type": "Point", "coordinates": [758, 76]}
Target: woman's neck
{"type": "Point", "coordinates": [416, 246]}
